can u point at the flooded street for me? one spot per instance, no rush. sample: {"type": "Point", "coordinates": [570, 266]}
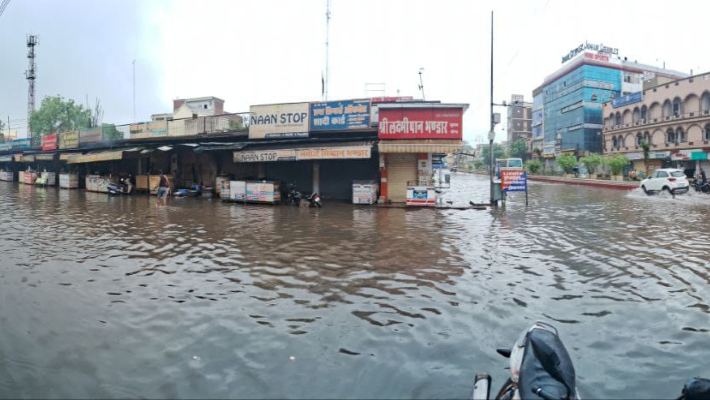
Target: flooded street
{"type": "Point", "coordinates": [114, 297]}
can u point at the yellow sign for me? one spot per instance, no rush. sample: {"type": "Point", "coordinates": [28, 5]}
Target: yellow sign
{"type": "Point", "coordinates": [69, 140]}
{"type": "Point", "coordinates": [106, 156]}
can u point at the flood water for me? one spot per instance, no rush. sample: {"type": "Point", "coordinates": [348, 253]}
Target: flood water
{"type": "Point", "coordinates": [117, 298]}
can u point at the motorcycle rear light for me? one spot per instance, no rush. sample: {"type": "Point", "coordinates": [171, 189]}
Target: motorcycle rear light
{"type": "Point", "coordinates": [672, 179]}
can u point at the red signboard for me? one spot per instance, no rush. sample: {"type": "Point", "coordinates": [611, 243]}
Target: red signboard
{"type": "Point", "coordinates": [598, 57]}
{"type": "Point", "coordinates": [49, 142]}
{"type": "Point", "coordinates": [420, 123]}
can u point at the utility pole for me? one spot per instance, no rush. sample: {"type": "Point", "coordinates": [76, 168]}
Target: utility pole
{"type": "Point", "coordinates": [491, 134]}
{"type": "Point", "coordinates": [327, 37]}
{"type": "Point", "coordinates": [134, 90]}
{"type": "Point", "coordinates": [31, 75]}
{"type": "Point", "coordinates": [421, 83]}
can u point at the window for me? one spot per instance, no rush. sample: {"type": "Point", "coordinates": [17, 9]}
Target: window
{"type": "Point", "coordinates": [204, 106]}
{"type": "Point", "coordinates": [680, 135]}
{"type": "Point", "coordinates": [655, 175]}
{"type": "Point", "coordinates": [705, 102]}
{"type": "Point", "coordinates": [677, 174]}
{"type": "Point", "coordinates": [677, 108]}
{"type": "Point", "coordinates": [670, 136]}
{"type": "Point", "coordinates": [639, 139]}
{"type": "Point", "coordinates": [707, 132]}
{"type": "Point", "coordinates": [614, 143]}
{"type": "Point", "coordinates": [662, 174]}
{"type": "Point", "coordinates": [644, 113]}
{"type": "Point", "coordinates": [647, 137]}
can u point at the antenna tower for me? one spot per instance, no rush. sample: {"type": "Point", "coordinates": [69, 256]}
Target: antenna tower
{"type": "Point", "coordinates": [31, 75]}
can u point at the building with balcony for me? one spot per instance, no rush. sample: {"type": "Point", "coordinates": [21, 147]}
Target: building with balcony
{"type": "Point", "coordinates": [570, 100]}
{"type": "Point", "coordinates": [673, 118]}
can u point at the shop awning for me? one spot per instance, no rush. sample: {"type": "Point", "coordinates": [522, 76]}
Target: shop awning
{"type": "Point", "coordinates": [45, 157]}
{"type": "Point", "coordinates": [5, 158]}
{"type": "Point", "coordinates": [419, 146]}
{"type": "Point", "coordinates": [219, 146]}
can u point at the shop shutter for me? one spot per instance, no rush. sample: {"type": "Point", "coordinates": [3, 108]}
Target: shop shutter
{"type": "Point", "coordinates": [401, 168]}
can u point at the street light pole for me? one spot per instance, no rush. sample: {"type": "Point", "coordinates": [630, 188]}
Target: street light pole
{"type": "Point", "coordinates": [491, 134]}
{"type": "Point", "coordinates": [421, 83]}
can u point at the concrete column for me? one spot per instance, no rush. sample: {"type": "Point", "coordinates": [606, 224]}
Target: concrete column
{"type": "Point", "coordinates": [383, 179]}
{"type": "Point", "coordinates": [316, 177]}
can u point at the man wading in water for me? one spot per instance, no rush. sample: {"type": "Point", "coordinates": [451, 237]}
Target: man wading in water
{"type": "Point", "coordinates": [163, 189]}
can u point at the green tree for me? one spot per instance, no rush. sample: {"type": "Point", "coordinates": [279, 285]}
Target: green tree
{"type": "Point", "coordinates": [617, 163]}
{"type": "Point", "coordinates": [519, 149]}
{"type": "Point", "coordinates": [538, 151]}
{"type": "Point", "coordinates": [567, 162]}
{"type": "Point", "coordinates": [110, 133]}
{"type": "Point", "coordinates": [58, 115]}
{"type": "Point", "coordinates": [477, 164]}
{"type": "Point", "coordinates": [533, 166]}
{"type": "Point", "coordinates": [591, 161]}
{"type": "Point", "coordinates": [498, 152]}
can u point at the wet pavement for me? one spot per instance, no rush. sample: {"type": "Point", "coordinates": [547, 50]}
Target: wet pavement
{"type": "Point", "coordinates": [114, 297]}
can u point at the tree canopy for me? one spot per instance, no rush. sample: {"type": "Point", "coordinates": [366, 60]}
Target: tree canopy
{"type": "Point", "coordinates": [58, 115]}
{"type": "Point", "coordinates": [518, 149]}
{"type": "Point", "coordinates": [498, 152]}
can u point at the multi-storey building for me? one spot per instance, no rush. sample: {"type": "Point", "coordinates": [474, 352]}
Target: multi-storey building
{"type": "Point", "coordinates": [571, 99]}
{"type": "Point", "coordinates": [670, 123]}
{"type": "Point", "coordinates": [519, 118]}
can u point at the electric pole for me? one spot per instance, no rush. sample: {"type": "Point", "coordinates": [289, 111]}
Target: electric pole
{"type": "Point", "coordinates": [31, 75]}
{"type": "Point", "coordinates": [327, 37]}
{"type": "Point", "coordinates": [491, 134]}
{"type": "Point", "coordinates": [421, 83]}
{"type": "Point", "coordinates": [134, 90]}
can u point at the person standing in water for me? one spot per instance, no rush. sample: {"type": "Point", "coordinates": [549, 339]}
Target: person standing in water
{"type": "Point", "coordinates": [163, 189]}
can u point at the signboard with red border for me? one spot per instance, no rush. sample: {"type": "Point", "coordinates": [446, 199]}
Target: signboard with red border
{"type": "Point", "coordinates": [513, 180]}
{"type": "Point", "coordinates": [420, 123]}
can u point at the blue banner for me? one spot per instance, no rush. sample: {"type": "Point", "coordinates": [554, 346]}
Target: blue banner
{"type": "Point", "coordinates": [21, 144]}
{"type": "Point", "coordinates": [628, 99]}
{"type": "Point", "coordinates": [340, 115]}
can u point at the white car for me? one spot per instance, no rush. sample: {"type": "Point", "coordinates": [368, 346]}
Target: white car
{"type": "Point", "coordinates": [671, 180]}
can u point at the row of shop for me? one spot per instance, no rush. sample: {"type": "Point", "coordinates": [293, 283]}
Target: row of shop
{"type": "Point", "coordinates": [686, 159]}
{"type": "Point", "coordinates": [391, 162]}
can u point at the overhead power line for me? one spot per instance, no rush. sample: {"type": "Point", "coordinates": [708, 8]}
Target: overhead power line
{"type": "Point", "coordinates": [3, 5]}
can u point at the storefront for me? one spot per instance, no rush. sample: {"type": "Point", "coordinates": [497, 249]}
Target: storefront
{"type": "Point", "coordinates": [409, 134]}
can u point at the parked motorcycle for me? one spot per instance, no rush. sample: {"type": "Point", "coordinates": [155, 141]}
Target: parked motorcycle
{"type": "Point", "coordinates": [540, 368]}
{"type": "Point", "coordinates": [294, 197]}
{"type": "Point", "coordinates": [193, 191]}
{"type": "Point", "coordinates": [124, 186]}
{"type": "Point", "coordinates": [701, 186]}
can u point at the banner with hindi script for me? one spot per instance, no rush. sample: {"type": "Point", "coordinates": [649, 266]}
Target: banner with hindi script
{"type": "Point", "coordinates": [420, 123]}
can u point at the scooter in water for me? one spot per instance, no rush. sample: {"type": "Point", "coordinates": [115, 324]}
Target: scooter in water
{"type": "Point", "coordinates": [124, 186]}
{"type": "Point", "coordinates": [540, 368]}
{"type": "Point", "coordinates": [700, 186]}
{"type": "Point", "coordinates": [294, 197]}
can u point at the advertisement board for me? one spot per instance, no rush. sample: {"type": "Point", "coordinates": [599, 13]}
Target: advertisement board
{"type": "Point", "coordinates": [513, 180]}
{"type": "Point", "coordinates": [238, 190]}
{"type": "Point", "coordinates": [626, 100]}
{"type": "Point", "coordinates": [340, 115]}
{"type": "Point", "coordinates": [69, 181]}
{"type": "Point", "coordinates": [69, 140]}
{"type": "Point", "coordinates": [262, 192]}
{"type": "Point", "coordinates": [5, 146]}
{"type": "Point", "coordinates": [21, 144]}
{"type": "Point", "coordinates": [278, 121]}
{"type": "Point", "coordinates": [688, 155]}
{"type": "Point", "coordinates": [420, 123]}
{"type": "Point", "coordinates": [49, 142]}
{"type": "Point", "coordinates": [90, 135]}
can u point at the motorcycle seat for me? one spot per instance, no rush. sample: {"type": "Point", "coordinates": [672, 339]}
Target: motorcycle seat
{"type": "Point", "coordinates": [546, 365]}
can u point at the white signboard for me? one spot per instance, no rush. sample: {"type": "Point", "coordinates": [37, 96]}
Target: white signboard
{"type": "Point", "coordinates": [264, 156]}
{"type": "Point", "coordinates": [279, 121]}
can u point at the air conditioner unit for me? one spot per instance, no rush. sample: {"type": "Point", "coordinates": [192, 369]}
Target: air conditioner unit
{"type": "Point", "coordinates": [706, 112]}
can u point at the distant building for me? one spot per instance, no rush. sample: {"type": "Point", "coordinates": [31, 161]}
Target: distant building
{"type": "Point", "coordinates": [198, 107]}
{"type": "Point", "coordinates": [161, 117]}
{"type": "Point", "coordinates": [570, 100]}
{"type": "Point", "coordinates": [673, 118]}
{"type": "Point", "coordinates": [519, 118]}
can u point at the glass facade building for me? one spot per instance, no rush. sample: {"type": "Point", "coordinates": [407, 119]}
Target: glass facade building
{"type": "Point", "coordinates": [571, 108]}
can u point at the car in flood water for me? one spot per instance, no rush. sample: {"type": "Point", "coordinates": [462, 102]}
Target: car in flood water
{"type": "Point", "coordinates": [670, 180]}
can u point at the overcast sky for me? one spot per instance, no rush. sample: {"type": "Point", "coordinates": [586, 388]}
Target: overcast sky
{"type": "Point", "coordinates": [271, 51]}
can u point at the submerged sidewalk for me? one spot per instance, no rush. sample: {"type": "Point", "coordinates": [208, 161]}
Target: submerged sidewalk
{"type": "Point", "coordinates": [621, 185]}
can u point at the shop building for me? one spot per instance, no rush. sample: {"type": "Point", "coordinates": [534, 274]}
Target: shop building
{"type": "Point", "coordinates": [411, 136]}
{"type": "Point", "coordinates": [673, 118]}
{"type": "Point", "coordinates": [571, 98]}
{"type": "Point", "coordinates": [519, 113]}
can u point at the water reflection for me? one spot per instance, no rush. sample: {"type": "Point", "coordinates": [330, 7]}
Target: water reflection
{"type": "Point", "coordinates": [116, 297]}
